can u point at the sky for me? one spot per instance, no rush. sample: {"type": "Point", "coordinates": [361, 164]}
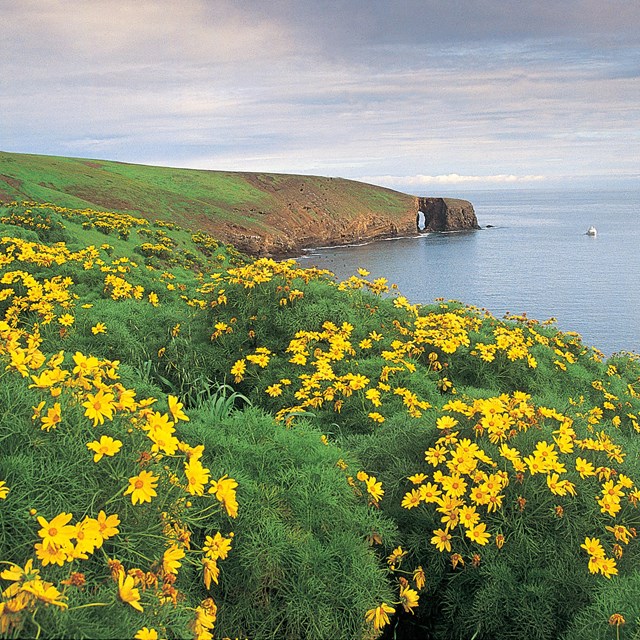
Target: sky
{"type": "Point", "coordinates": [424, 96]}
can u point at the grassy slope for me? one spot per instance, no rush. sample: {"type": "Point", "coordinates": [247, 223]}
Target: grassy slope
{"type": "Point", "coordinates": [207, 200]}
{"type": "Point", "coordinates": [301, 565]}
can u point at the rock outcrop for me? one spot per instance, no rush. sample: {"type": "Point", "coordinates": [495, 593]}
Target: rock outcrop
{"type": "Point", "coordinates": [446, 214]}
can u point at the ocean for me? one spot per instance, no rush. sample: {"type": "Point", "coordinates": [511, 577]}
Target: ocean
{"type": "Point", "coordinates": [531, 256]}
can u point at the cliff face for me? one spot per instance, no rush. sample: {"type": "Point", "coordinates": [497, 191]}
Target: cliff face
{"type": "Point", "coordinates": [446, 214]}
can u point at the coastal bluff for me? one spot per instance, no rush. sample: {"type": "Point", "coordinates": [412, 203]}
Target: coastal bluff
{"type": "Point", "coordinates": [261, 214]}
{"type": "Point", "coordinates": [445, 214]}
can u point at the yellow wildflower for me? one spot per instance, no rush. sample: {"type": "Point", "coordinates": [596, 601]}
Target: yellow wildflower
{"type": "Point", "coordinates": [142, 487]}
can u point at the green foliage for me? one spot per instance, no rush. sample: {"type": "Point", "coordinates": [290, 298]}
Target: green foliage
{"type": "Point", "coordinates": [301, 565]}
{"type": "Point", "coordinates": [325, 402]}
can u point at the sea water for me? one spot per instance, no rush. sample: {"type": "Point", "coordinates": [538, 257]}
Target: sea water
{"type": "Point", "coordinates": [531, 256]}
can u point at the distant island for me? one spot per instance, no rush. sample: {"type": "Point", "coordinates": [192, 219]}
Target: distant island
{"type": "Point", "coordinates": [262, 214]}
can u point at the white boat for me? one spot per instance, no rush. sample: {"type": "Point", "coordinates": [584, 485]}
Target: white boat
{"type": "Point", "coordinates": [591, 231]}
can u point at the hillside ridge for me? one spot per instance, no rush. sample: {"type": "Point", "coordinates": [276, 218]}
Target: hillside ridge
{"type": "Point", "coordinates": [269, 214]}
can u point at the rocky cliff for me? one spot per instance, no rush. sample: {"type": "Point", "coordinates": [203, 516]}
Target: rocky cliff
{"type": "Point", "coordinates": [446, 214]}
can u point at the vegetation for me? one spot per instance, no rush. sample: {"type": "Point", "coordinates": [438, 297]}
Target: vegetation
{"type": "Point", "coordinates": [196, 443]}
{"type": "Point", "coordinates": [233, 206]}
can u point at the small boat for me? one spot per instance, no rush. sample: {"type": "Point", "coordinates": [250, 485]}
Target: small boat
{"type": "Point", "coordinates": [591, 231]}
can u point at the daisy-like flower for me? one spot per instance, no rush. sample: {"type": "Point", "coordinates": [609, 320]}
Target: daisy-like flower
{"type": "Point", "coordinates": [52, 419]}
{"type": "Point", "coordinates": [99, 406]}
{"type": "Point", "coordinates": [238, 370]}
{"type": "Point", "coordinates": [408, 598]}
{"type": "Point", "coordinates": [374, 488]}
{"type": "Point", "coordinates": [197, 476]}
{"type": "Point", "coordinates": [66, 320]}
{"type": "Point", "coordinates": [217, 547]}
{"type": "Point", "coordinates": [379, 616]}
{"type": "Point", "coordinates": [106, 446]}
{"type": "Point", "coordinates": [210, 571]}
{"type": "Point", "coordinates": [274, 390]}
{"type": "Point", "coordinates": [44, 591]}
{"type": "Point", "coordinates": [478, 534]}
{"type": "Point", "coordinates": [146, 634]}
{"type": "Point", "coordinates": [108, 525]}
{"type": "Point", "coordinates": [175, 408]}
{"type": "Point", "coordinates": [142, 487]}
{"type": "Point", "coordinates": [171, 559]}
{"type": "Point", "coordinates": [442, 540]}
{"type": "Point", "coordinates": [4, 490]}
{"type": "Point", "coordinates": [16, 573]}
{"type": "Point", "coordinates": [419, 577]}
{"type": "Point", "coordinates": [100, 327]}
{"type": "Point", "coordinates": [225, 491]}
{"type": "Point", "coordinates": [57, 532]}
{"type": "Point", "coordinates": [88, 537]}
{"type": "Point", "coordinates": [127, 591]}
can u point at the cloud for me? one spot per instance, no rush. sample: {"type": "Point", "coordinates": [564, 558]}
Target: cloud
{"type": "Point", "coordinates": [452, 179]}
{"type": "Point", "coordinates": [411, 88]}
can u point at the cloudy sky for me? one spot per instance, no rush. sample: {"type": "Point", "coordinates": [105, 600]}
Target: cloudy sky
{"type": "Point", "coordinates": [420, 95]}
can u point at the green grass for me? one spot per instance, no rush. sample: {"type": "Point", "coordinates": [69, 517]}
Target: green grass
{"type": "Point", "coordinates": [207, 200]}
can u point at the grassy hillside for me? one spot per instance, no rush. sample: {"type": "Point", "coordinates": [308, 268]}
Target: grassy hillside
{"type": "Point", "coordinates": [230, 205]}
{"type": "Point", "coordinates": [197, 443]}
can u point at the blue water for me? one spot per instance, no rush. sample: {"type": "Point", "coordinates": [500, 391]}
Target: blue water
{"type": "Point", "coordinates": [536, 259]}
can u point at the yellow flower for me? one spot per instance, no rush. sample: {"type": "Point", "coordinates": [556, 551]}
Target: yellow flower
{"type": "Point", "coordinates": [606, 566]}
{"type": "Point", "coordinates": [224, 490]}
{"type": "Point", "coordinates": [52, 419]}
{"type": "Point", "coordinates": [274, 390]}
{"type": "Point", "coordinates": [469, 517]}
{"type": "Point", "coordinates": [419, 577]}
{"type": "Point", "coordinates": [107, 446]}
{"type": "Point", "coordinates": [238, 370]}
{"type": "Point", "coordinates": [127, 591]}
{"type": "Point", "coordinates": [66, 320]}
{"type": "Point", "coordinates": [4, 490]}
{"type": "Point", "coordinates": [408, 598]}
{"type": "Point", "coordinates": [146, 634]}
{"type": "Point", "coordinates": [99, 406]}
{"type": "Point", "coordinates": [411, 499]}
{"type": "Point", "coordinates": [374, 488]}
{"type": "Point", "coordinates": [44, 591]}
{"type": "Point", "coordinates": [396, 555]}
{"type": "Point", "coordinates": [478, 534]}
{"type": "Point", "coordinates": [446, 422]}
{"type": "Point", "coordinates": [379, 616]}
{"type": "Point", "coordinates": [211, 571]}
{"type": "Point", "coordinates": [175, 409]}
{"type": "Point", "coordinates": [88, 537]}
{"type": "Point", "coordinates": [53, 553]}
{"type": "Point", "coordinates": [429, 492]}
{"type": "Point", "coordinates": [142, 487]}
{"type": "Point", "coordinates": [593, 547]}
{"type": "Point", "coordinates": [442, 540]}
{"type": "Point", "coordinates": [584, 468]}
{"type": "Point", "coordinates": [171, 559]}
{"type": "Point", "coordinates": [108, 525]}
{"type": "Point", "coordinates": [101, 327]}
{"type": "Point", "coordinates": [56, 533]}
{"type": "Point", "coordinates": [197, 476]}
{"type": "Point", "coordinates": [217, 547]}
